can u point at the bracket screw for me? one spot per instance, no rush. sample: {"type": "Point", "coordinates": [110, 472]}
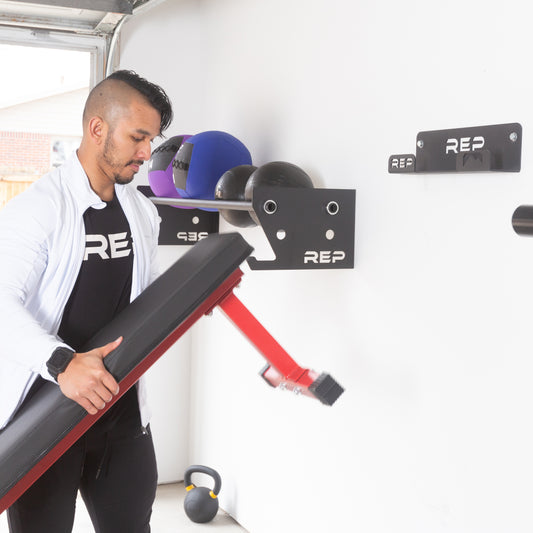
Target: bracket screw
{"type": "Point", "coordinates": [513, 136]}
{"type": "Point", "coordinates": [332, 208]}
{"type": "Point", "coordinates": [420, 143]}
{"type": "Point", "coordinates": [270, 207]}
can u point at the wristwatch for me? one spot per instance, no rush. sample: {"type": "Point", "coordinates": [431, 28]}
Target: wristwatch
{"type": "Point", "coordinates": [59, 361]}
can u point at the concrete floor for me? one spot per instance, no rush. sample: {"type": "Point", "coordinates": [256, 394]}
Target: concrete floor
{"type": "Point", "coordinates": [168, 516]}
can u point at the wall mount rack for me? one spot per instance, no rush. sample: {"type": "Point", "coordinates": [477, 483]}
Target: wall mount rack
{"type": "Point", "coordinates": [475, 149]}
{"type": "Point", "coordinates": [308, 229]}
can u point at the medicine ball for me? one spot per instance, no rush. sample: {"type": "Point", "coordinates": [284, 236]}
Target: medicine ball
{"type": "Point", "coordinates": [160, 167]}
{"type": "Point", "coordinates": [231, 186]}
{"type": "Point", "coordinates": [202, 159]}
{"type": "Point", "coordinates": [276, 174]}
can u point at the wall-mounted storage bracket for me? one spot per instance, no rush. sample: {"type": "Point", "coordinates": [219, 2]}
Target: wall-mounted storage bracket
{"type": "Point", "coordinates": [307, 228]}
{"type": "Point", "coordinates": [481, 148]}
{"type": "Point", "coordinates": [183, 226]}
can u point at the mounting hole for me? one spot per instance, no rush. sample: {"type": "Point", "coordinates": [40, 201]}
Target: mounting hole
{"type": "Point", "coordinates": [270, 207]}
{"type": "Point", "coordinates": [330, 234]}
{"type": "Point", "coordinates": [195, 220]}
{"type": "Point", "coordinates": [281, 234]}
{"type": "Point", "coordinates": [332, 208]}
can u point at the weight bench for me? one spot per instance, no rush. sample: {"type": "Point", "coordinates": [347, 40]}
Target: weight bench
{"type": "Point", "coordinates": [49, 423]}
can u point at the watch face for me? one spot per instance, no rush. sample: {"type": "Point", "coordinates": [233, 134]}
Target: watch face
{"type": "Point", "coordinates": [59, 361]}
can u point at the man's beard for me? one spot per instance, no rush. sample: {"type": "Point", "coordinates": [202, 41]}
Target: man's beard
{"type": "Point", "coordinates": [107, 156]}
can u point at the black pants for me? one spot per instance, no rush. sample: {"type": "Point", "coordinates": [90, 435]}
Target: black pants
{"type": "Point", "coordinates": [112, 465]}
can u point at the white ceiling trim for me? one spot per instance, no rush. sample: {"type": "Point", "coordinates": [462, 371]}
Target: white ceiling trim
{"type": "Point", "coordinates": [87, 17]}
{"type": "Point", "coordinates": [59, 23]}
{"type": "Point", "coordinates": [115, 6]}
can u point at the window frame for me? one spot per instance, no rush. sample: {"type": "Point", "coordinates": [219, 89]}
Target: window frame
{"type": "Point", "coordinates": [94, 44]}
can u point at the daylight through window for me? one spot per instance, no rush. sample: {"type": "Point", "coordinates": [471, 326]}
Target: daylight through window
{"type": "Point", "coordinates": [41, 104]}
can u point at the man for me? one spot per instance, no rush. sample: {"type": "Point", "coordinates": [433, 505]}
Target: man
{"type": "Point", "coordinates": [76, 248]}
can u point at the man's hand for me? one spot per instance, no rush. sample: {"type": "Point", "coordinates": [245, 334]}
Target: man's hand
{"type": "Point", "coordinates": [86, 380]}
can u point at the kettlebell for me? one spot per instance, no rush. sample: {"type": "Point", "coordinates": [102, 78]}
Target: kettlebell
{"type": "Point", "coordinates": [201, 503]}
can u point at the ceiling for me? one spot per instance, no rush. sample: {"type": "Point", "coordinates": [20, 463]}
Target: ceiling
{"type": "Point", "coordinates": [92, 17]}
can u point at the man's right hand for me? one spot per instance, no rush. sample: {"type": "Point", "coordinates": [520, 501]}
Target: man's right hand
{"type": "Point", "coordinates": [87, 381]}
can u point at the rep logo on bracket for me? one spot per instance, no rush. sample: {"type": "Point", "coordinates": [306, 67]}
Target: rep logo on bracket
{"type": "Point", "coordinates": [464, 144]}
{"type": "Point", "coordinates": [191, 236]}
{"type": "Point", "coordinates": [402, 163]}
{"type": "Point", "coordinates": [323, 256]}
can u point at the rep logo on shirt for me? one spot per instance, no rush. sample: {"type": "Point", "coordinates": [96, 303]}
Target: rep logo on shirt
{"type": "Point", "coordinates": [112, 246]}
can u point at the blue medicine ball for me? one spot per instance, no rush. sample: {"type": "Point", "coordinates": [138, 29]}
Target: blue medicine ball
{"type": "Point", "coordinates": [202, 159]}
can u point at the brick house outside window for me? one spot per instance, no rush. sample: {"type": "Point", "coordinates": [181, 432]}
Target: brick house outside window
{"type": "Point", "coordinates": [36, 136]}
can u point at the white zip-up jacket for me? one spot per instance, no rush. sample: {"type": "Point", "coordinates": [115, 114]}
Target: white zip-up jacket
{"type": "Point", "coordinates": [42, 245]}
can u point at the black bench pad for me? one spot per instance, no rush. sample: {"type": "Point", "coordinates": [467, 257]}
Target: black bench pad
{"type": "Point", "coordinates": [49, 423]}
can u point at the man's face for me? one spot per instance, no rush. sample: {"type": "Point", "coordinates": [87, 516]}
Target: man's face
{"type": "Point", "coordinates": [127, 144]}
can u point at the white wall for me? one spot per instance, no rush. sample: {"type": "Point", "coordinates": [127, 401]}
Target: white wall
{"type": "Point", "coordinates": [168, 383]}
{"type": "Point", "coordinates": [431, 332]}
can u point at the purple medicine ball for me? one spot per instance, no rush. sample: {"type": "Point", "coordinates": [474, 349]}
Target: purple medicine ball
{"type": "Point", "coordinates": [160, 167]}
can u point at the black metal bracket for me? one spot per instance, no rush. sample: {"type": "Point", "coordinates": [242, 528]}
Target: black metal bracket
{"type": "Point", "coordinates": [183, 226]}
{"type": "Point", "coordinates": [308, 229]}
{"type": "Point", "coordinates": [476, 149]}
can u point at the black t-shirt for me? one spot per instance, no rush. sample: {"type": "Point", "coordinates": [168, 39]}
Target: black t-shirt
{"type": "Point", "coordinates": [103, 287]}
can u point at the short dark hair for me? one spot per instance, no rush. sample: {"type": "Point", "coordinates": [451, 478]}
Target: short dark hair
{"type": "Point", "coordinates": [153, 93]}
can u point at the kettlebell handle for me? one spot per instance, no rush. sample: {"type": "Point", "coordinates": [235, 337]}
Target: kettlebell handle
{"type": "Point", "coordinates": [203, 470]}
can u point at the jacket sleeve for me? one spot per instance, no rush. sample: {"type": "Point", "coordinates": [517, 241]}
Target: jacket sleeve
{"type": "Point", "coordinates": [25, 229]}
{"type": "Point", "coordinates": [150, 225]}
{"type": "Point", "coordinates": [154, 262]}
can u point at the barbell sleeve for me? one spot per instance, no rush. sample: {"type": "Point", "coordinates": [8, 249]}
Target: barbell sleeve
{"type": "Point", "coordinates": [210, 204]}
{"type": "Point", "coordinates": [523, 220]}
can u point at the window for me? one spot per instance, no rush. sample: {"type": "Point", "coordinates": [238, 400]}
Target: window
{"type": "Point", "coordinates": [42, 95]}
